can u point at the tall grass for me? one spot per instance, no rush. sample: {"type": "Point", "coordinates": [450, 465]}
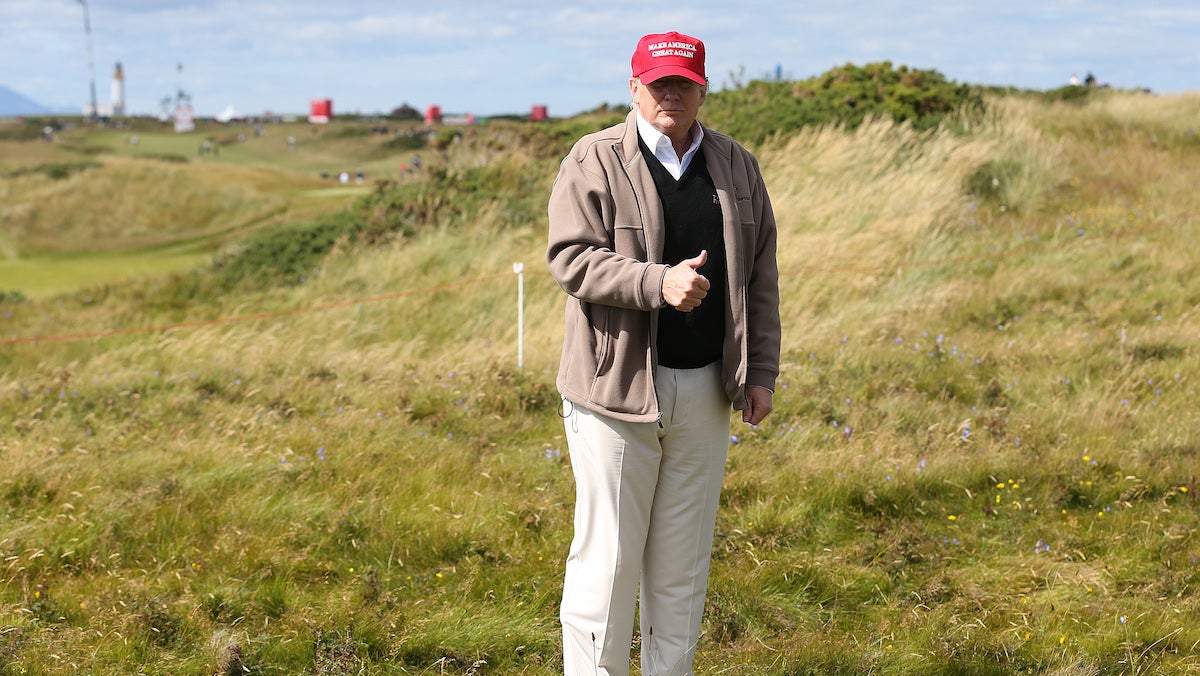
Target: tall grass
{"type": "Point", "coordinates": [982, 459]}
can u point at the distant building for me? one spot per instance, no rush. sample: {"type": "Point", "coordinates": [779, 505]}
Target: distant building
{"type": "Point", "coordinates": [320, 111]}
{"type": "Point", "coordinates": [539, 113]}
{"type": "Point", "coordinates": [185, 116]}
{"type": "Point", "coordinates": [118, 91]}
{"type": "Point", "coordinates": [116, 106]}
{"type": "Point", "coordinates": [433, 115]}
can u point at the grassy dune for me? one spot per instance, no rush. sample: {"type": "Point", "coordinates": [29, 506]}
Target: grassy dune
{"type": "Point", "coordinates": [159, 204]}
{"type": "Point", "coordinates": [982, 459]}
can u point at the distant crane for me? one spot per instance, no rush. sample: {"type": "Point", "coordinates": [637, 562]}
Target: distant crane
{"type": "Point", "coordinates": [87, 30]}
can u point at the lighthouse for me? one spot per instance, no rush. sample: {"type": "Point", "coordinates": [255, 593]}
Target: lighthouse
{"type": "Point", "coordinates": [118, 92]}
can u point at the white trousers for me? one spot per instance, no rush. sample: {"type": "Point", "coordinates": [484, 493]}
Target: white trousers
{"type": "Point", "coordinates": [645, 507]}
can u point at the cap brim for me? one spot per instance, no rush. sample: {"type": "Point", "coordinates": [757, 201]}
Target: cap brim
{"type": "Point", "coordinates": [666, 71]}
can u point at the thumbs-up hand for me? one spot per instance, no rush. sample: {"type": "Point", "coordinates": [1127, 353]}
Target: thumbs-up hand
{"type": "Point", "coordinates": [683, 288]}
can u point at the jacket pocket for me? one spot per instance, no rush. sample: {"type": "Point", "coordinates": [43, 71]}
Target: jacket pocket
{"type": "Point", "coordinates": [630, 240]}
{"type": "Point", "coordinates": [599, 316]}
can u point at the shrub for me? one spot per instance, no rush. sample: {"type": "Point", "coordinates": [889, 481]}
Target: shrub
{"type": "Point", "coordinates": [14, 297]}
{"type": "Point", "coordinates": [412, 141]}
{"type": "Point", "coordinates": [167, 157]}
{"type": "Point", "coordinates": [847, 95]}
{"type": "Point", "coordinates": [55, 170]}
{"type": "Point", "coordinates": [287, 254]}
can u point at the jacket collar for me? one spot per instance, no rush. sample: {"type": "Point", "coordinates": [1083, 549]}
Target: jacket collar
{"type": "Point", "coordinates": [714, 144]}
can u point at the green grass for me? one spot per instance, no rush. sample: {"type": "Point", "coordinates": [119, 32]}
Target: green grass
{"type": "Point", "coordinates": [44, 277]}
{"type": "Point", "coordinates": [982, 458]}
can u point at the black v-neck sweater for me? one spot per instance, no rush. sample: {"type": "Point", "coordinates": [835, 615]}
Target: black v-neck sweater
{"type": "Point", "coordinates": [692, 214]}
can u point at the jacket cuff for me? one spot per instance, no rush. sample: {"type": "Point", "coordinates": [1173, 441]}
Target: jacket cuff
{"type": "Point", "coordinates": [652, 283]}
{"type": "Point", "coordinates": [760, 378]}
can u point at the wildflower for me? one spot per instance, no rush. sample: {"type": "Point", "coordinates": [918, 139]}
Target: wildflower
{"type": "Point", "coordinates": [733, 438]}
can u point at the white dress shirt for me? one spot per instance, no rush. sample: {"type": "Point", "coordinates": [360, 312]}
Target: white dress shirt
{"type": "Point", "coordinates": [660, 145]}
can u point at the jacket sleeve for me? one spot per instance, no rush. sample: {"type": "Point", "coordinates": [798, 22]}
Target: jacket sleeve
{"type": "Point", "coordinates": [583, 251]}
{"type": "Point", "coordinates": [764, 332]}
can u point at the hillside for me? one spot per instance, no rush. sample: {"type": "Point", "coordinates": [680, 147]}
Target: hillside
{"type": "Point", "coordinates": [316, 453]}
{"type": "Point", "coordinates": [13, 103]}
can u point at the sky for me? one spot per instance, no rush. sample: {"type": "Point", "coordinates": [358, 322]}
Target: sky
{"type": "Point", "coordinates": [492, 57]}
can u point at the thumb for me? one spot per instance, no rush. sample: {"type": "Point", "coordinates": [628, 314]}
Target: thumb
{"type": "Point", "coordinates": [698, 260]}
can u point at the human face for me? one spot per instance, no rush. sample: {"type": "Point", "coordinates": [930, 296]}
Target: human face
{"type": "Point", "coordinates": [670, 104]}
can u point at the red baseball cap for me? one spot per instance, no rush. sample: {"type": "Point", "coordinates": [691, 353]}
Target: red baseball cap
{"type": "Point", "coordinates": [661, 54]}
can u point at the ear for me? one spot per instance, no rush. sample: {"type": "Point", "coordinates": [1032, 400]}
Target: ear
{"type": "Point", "coordinates": [633, 88]}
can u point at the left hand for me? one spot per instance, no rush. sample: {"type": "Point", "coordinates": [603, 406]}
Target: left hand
{"type": "Point", "coordinates": [758, 405]}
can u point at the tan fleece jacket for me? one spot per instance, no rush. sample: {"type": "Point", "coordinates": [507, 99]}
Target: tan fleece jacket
{"type": "Point", "coordinates": [605, 250]}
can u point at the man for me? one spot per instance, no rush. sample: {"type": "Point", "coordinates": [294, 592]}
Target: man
{"type": "Point", "coordinates": [662, 235]}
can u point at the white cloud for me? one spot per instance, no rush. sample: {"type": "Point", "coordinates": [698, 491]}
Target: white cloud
{"type": "Point", "coordinates": [500, 57]}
